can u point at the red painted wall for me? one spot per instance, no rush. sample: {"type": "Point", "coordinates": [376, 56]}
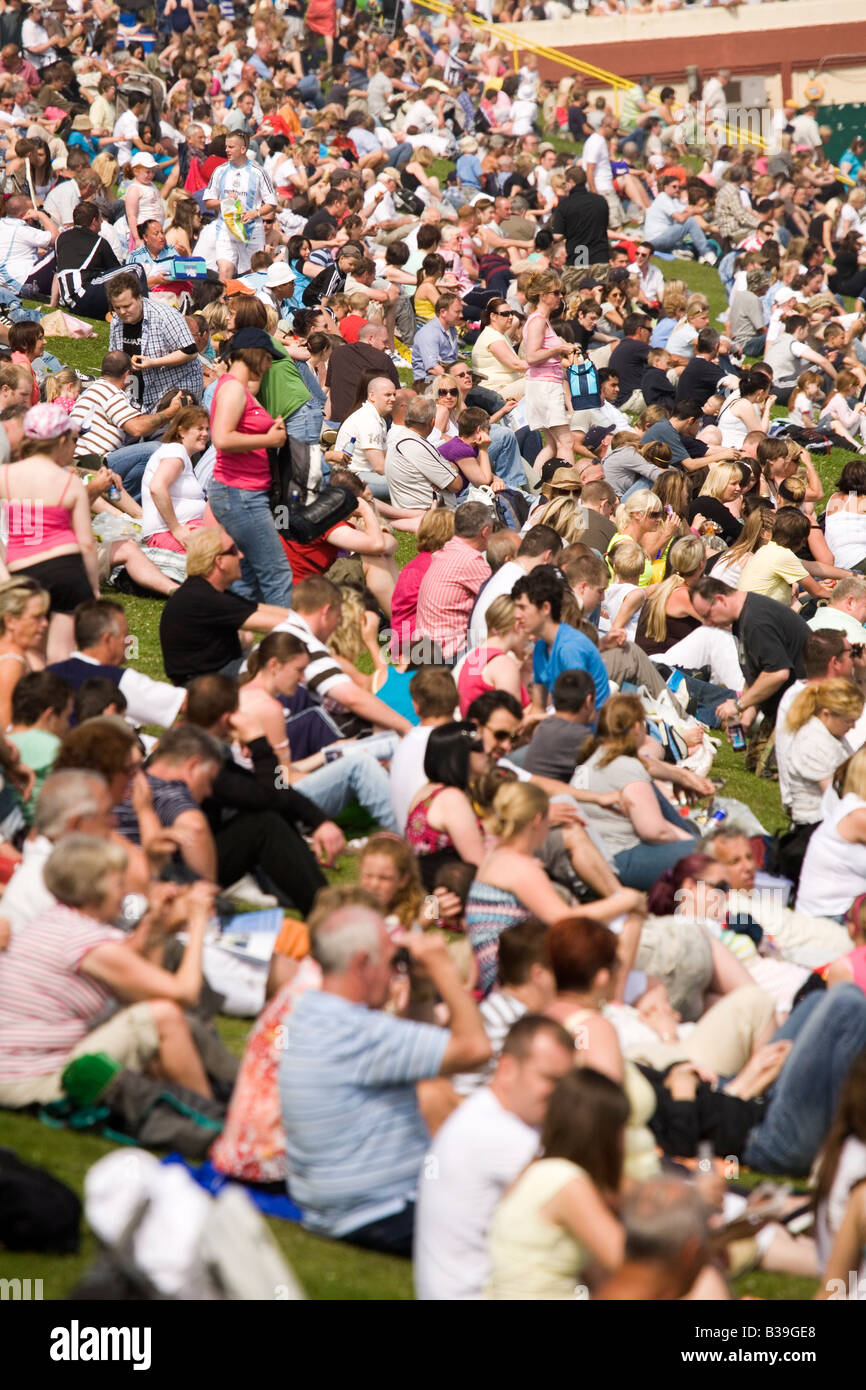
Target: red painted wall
{"type": "Point", "coordinates": [666, 59]}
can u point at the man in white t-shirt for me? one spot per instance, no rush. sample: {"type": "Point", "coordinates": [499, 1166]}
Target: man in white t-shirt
{"type": "Point", "coordinates": [540, 546]}
{"type": "Point", "coordinates": [599, 175]}
{"type": "Point", "coordinates": [125, 131]}
{"type": "Point", "coordinates": [476, 1156]}
{"type": "Point", "coordinates": [362, 436]}
{"type": "Point", "coordinates": [434, 697]}
{"type": "Point", "coordinates": [26, 238]}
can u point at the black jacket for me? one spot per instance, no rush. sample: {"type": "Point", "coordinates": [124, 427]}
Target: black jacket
{"type": "Point", "coordinates": [582, 218]}
{"type": "Point", "coordinates": [237, 789]}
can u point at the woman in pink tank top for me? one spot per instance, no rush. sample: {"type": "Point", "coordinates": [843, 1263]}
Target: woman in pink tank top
{"type": "Point", "coordinates": [545, 385]}
{"type": "Point", "coordinates": [242, 432]}
{"type": "Point", "coordinates": [46, 522]}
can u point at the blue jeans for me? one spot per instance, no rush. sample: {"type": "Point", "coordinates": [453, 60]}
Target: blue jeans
{"type": "Point", "coordinates": [641, 866]}
{"type": "Point", "coordinates": [358, 774]}
{"type": "Point", "coordinates": [266, 574]}
{"type": "Point", "coordinates": [706, 697]}
{"type": "Point", "coordinates": [130, 462]}
{"type": "Point", "coordinates": [829, 1032]}
{"type": "Point", "coordinates": [400, 154]}
{"type": "Point", "coordinates": [376, 482]}
{"type": "Point", "coordinates": [309, 91]}
{"type": "Point", "coordinates": [505, 457]}
{"type": "Point", "coordinates": [755, 346]}
{"type": "Point", "coordinates": [676, 235]}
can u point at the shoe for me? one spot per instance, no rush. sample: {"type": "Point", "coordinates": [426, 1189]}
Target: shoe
{"type": "Point", "coordinates": [247, 891]}
{"type": "Point", "coordinates": [328, 437]}
{"type": "Point", "coordinates": [680, 254]}
{"type": "Point", "coordinates": [708, 258]}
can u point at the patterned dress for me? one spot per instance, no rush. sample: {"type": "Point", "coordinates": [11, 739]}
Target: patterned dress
{"type": "Point", "coordinates": [489, 912]}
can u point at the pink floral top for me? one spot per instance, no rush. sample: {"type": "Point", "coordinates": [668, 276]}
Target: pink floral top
{"type": "Point", "coordinates": [252, 1146]}
{"type": "Point", "coordinates": [423, 837]}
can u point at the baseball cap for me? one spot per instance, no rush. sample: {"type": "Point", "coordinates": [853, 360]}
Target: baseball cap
{"type": "Point", "coordinates": [143, 161]}
{"type": "Point", "coordinates": [596, 436]}
{"type": "Point", "coordinates": [248, 338]}
{"type": "Point", "coordinates": [545, 147]}
{"type": "Point", "coordinates": [48, 421]}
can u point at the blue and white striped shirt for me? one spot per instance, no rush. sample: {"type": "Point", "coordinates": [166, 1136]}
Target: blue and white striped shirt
{"type": "Point", "coordinates": [356, 1139]}
{"type": "Point", "coordinates": [249, 183]}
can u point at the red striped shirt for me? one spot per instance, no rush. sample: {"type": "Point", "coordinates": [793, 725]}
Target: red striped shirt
{"type": "Point", "coordinates": [47, 1005]}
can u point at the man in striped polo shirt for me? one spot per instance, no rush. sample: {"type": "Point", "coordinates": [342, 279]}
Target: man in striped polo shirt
{"type": "Point", "coordinates": [106, 417]}
{"type": "Point", "coordinates": [247, 182]}
{"type": "Point", "coordinates": [356, 1137]}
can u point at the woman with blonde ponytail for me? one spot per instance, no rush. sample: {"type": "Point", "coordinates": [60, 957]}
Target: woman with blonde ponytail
{"type": "Point", "coordinates": [666, 611]}
{"type": "Point", "coordinates": [512, 884]}
{"type": "Point", "coordinates": [818, 718]}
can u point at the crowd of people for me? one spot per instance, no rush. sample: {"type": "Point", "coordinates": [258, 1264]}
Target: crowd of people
{"type": "Point", "coordinates": [459, 511]}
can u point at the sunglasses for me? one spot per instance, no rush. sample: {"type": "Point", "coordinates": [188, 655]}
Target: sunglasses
{"type": "Point", "coordinates": [501, 735]}
{"type": "Point", "coordinates": [232, 550]}
{"type": "Point", "coordinates": [449, 391]}
{"type": "Point", "coordinates": [269, 221]}
{"type": "Point", "coordinates": [721, 887]}
{"type": "Point", "coordinates": [857, 650]}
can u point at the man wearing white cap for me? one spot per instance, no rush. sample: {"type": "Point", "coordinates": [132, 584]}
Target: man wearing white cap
{"type": "Point", "coordinates": [278, 287]}
{"type": "Point", "coordinates": [239, 181]}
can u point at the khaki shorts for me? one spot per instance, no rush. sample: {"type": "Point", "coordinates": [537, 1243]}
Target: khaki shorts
{"type": "Point", "coordinates": [130, 1037]}
{"type": "Point", "coordinates": [545, 405]}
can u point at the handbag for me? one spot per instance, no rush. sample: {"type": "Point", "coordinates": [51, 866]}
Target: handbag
{"type": "Point", "coordinates": [306, 524]}
{"type": "Point", "coordinates": [582, 380]}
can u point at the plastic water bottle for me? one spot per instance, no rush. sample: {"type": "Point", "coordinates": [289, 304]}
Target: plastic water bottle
{"type": "Point", "coordinates": [349, 449]}
{"type": "Point", "coordinates": [717, 817]}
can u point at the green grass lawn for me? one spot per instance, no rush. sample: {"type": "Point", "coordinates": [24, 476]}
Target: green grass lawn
{"type": "Point", "coordinates": [326, 1269]}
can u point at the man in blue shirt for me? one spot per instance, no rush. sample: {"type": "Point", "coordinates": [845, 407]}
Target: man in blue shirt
{"type": "Point", "coordinates": [435, 347]}
{"type": "Point", "coordinates": [558, 647]}
{"type": "Point", "coordinates": [356, 1139]}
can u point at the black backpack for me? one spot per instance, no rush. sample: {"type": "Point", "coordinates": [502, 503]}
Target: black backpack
{"type": "Point", "coordinates": [37, 1211]}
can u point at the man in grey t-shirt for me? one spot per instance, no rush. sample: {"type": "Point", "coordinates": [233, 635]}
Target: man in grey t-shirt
{"type": "Point", "coordinates": [418, 476]}
{"type": "Point", "coordinates": [558, 739]}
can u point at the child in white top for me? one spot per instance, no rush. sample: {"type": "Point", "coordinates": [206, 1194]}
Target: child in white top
{"type": "Point", "coordinates": [810, 389]}
{"type": "Point", "coordinates": [627, 561]}
{"type": "Point", "coordinates": [844, 419]}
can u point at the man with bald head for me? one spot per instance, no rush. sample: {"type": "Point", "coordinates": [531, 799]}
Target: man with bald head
{"type": "Point", "coordinates": [356, 1138]}
{"type": "Point", "coordinates": [349, 363]}
{"type": "Point", "coordinates": [361, 437]}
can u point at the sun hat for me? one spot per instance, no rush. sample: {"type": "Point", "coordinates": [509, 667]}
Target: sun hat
{"type": "Point", "coordinates": [279, 274]}
{"type": "Point", "coordinates": [48, 421]}
{"type": "Point", "coordinates": [82, 123]}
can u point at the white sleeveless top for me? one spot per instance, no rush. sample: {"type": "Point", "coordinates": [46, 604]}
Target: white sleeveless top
{"type": "Point", "coordinates": [834, 870]}
{"type": "Point", "coordinates": [733, 428]}
{"type": "Point", "coordinates": [150, 203]}
{"type": "Point", "coordinates": [845, 534]}
{"type": "Point", "coordinates": [187, 496]}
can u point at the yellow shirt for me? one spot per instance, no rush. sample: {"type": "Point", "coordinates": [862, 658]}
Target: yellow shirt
{"type": "Point", "coordinates": [773, 571]}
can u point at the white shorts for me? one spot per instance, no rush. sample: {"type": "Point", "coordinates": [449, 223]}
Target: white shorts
{"type": "Point", "coordinates": [240, 253]}
{"type": "Point", "coordinates": [545, 405]}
